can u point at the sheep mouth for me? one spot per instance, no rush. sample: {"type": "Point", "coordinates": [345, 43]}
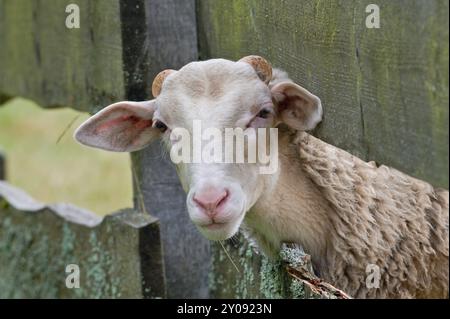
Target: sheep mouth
{"type": "Point", "coordinates": [214, 225]}
{"type": "Point", "coordinates": [218, 231]}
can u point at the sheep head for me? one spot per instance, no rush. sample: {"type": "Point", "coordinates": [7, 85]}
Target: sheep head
{"type": "Point", "coordinates": [205, 99]}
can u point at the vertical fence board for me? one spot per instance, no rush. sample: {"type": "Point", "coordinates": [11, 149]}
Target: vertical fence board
{"type": "Point", "coordinates": [2, 166]}
{"type": "Point", "coordinates": [171, 43]}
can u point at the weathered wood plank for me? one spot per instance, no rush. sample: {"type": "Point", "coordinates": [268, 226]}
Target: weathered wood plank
{"type": "Point", "coordinates": [171, 43]}
{"type": "Point", "coordinates": [119, 256]}
{"type": "Point", "coordinates": [2, 166]}
{"type": "Point", "coordinates": [43, 60]}
{"type": "Point", "coordinates": [255, 276]}
{"type": "Point", "coordinates": [385, 91]}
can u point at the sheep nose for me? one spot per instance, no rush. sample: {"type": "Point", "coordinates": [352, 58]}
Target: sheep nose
{"type": "Point", "coordinates": [210, 199]}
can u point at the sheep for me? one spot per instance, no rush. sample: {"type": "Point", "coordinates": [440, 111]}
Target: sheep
{"type": "Point", "coordinates": [349, 215]}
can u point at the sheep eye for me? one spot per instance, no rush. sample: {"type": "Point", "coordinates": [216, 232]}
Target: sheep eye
{"type": "Point", "coordinates": [264, 113]}
{"type": "Point", "coordinates": [160, 126]}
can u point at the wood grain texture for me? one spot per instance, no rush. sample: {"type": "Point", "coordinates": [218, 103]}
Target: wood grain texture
{"type": "Point", "coordinates": [41, 59]}
{"type": "Point", "coordinates": [38, 241]}
{"type": "Point", "coordinates": [170, 42]}
{"type": "Point", "coordinates": [255, 276]}
{"type": "Point", "coordinates": [2, 166]}
{"type": "Point", "coordinates": [384, 91]}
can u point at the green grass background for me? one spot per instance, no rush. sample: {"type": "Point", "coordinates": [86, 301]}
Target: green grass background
{"type": "Point", "coordinates": [65, 171]}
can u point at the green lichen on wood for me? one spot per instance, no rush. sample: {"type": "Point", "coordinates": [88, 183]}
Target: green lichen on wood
{"type": "Point", "coordinates": [247, 279]}
{"type": "Point", "coordinates": [100, 270]}
{"type": "Point", "coordinates": [272, 274]}
{"type": "Point", "coordinates": [35, 249]}
{"type": "Point", "coordinates": [258, 277]}
{"type": "Point", "coordinates": [297, 289]}
{"type": "Point", "coordinates": [25, 259]}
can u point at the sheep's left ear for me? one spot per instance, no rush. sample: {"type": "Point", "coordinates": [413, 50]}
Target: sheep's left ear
{"type": "Point", "coordinates": [120, 127]}
{"type": "Point", "coordinates": [296, 106]}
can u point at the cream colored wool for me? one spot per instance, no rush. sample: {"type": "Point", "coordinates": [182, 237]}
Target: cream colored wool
{"type": "Point", "coordinates": [382, 217]}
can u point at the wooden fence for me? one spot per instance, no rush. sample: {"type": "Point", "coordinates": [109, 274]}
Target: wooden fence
{"type": "Point", "coordinates": [385, 94]}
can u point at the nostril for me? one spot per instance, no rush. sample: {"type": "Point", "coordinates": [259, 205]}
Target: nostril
{"type": "Point", "coordinates": [211, 199]}
{"type": "Point", "coordinates": [223, 198]}
{"type": "Point", "coordinates": [198, 201]}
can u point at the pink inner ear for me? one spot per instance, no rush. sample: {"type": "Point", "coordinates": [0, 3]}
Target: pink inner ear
{"type": "Point", "coordinates": [289, 101]}
{"type": "Point", "coordinates": [141, 124]}
{"type": "Point", "coordinates": [130, 121]}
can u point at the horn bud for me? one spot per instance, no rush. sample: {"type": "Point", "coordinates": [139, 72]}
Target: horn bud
{"type": "Point", "coordinates": [159, 80]}
{"type": "Point", "coordinates": [261, 66]}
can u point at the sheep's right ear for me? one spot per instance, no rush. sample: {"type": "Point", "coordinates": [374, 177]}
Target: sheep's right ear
{"type": "Point", "coordinates": [120, 127]}
{"type": "Point", "coordinates": [296, 106]}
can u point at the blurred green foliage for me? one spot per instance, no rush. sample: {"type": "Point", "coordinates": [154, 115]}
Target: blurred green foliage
{"type": "Point", "coordinates": [65, 171]}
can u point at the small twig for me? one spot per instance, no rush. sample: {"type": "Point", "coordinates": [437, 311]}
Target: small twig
{"type": "Point", "coordinates": [317, 285]}
{"type": "Point", "coordinates": [299, 267]}
{"type": "Point", "coordinates": [67, 128]}
{"type": "Point", "coordinates": [229, 257]}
